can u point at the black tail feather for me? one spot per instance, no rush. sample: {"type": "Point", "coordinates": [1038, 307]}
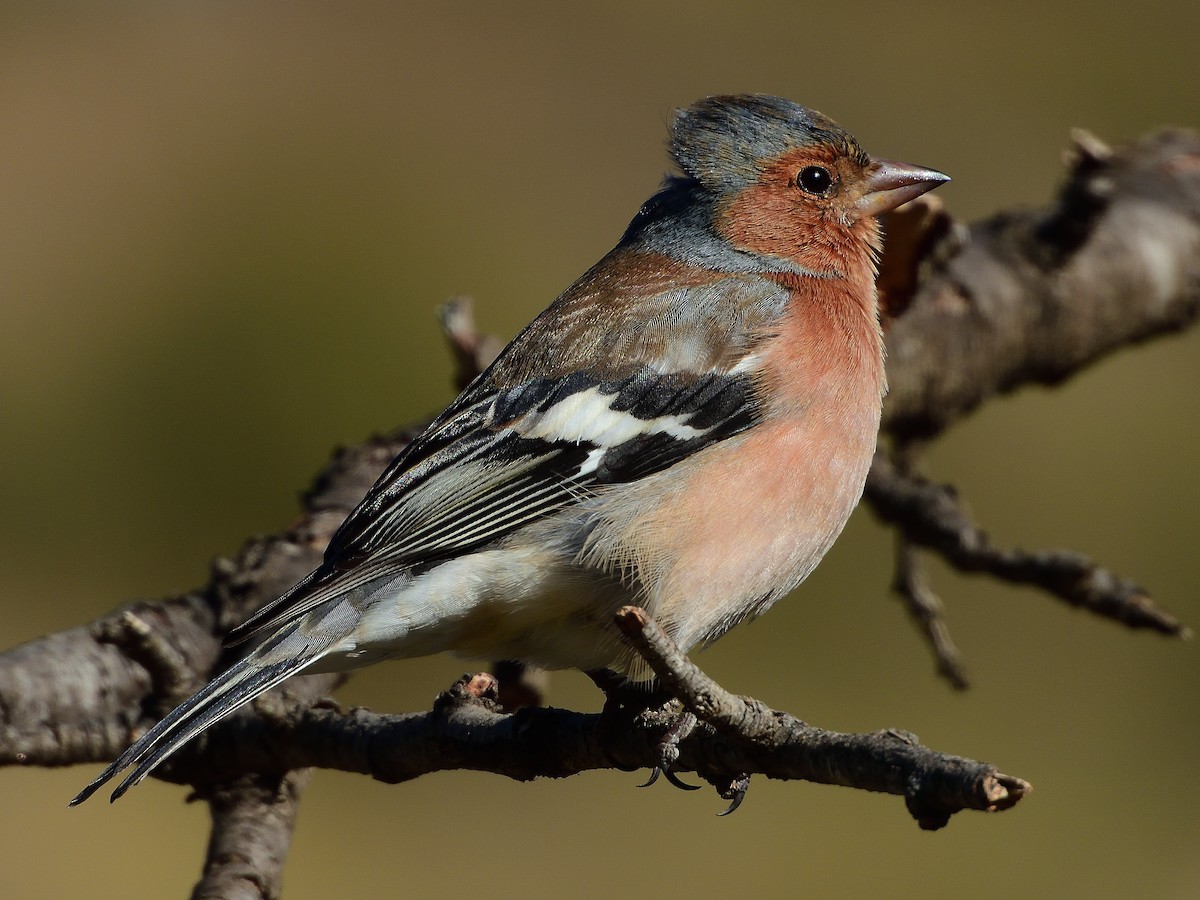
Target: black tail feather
{"type": "Point", "coordinates": [236, 686]}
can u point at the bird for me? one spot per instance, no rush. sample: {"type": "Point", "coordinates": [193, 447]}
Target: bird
{"type": "Point", "coordinates": [686, 428]}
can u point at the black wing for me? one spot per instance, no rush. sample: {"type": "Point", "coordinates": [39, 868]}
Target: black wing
{"type": "Point", "coordinates": [499, 459]}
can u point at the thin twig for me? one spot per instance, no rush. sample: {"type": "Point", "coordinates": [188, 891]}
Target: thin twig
{"type": "Point", "coordinates": [927, 611]}
{"type": "Point", "coordinates": [931, 515]}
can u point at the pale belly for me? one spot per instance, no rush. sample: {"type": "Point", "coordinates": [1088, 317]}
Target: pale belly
{"type": "Point", "coordinates": [530, 602]}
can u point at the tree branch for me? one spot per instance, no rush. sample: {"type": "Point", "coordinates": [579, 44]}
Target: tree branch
{"type": "Point", "coordinates": [1027, 297]}
{"type": "Point", "coordinates": [467, 730]}
{"type": "Point", "coordinates": [252, 822]}
{"type": "Point", "coordinates": [1035, 296]}
{"type": "Point", "coordinates": [930, 515]}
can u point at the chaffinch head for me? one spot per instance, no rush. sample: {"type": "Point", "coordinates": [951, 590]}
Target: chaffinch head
{"type": "Point", "coordinates": [686, 428]}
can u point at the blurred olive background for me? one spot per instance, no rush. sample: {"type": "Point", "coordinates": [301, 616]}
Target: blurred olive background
{"type": "Point", "coordinates": [223, 232]}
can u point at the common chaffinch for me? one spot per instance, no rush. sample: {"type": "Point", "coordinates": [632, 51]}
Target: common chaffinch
{"type": "Point", "coordinates": [686, 428]}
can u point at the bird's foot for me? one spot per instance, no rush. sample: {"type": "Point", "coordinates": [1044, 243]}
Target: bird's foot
{"type": "Point", "coordinates": [625, 699]}
{"type": "Point", "coordinates": [668, 753]}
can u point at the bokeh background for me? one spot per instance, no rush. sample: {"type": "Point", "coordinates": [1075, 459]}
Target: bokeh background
{"type": "Point", "coordinates": [223, 232]}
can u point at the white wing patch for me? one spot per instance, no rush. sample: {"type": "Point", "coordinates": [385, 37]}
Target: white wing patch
{"type": "Point", "coordinates": [588, 416]}
{"type": "Point", "coordinates": [747, 365]}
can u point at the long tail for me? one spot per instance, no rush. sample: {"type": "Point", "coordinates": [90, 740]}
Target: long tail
{"type": "Point", "coordinates": [233, 688]}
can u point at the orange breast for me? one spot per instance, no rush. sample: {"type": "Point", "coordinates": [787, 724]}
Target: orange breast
{"type": "Point", "coordinates": [725, 534]}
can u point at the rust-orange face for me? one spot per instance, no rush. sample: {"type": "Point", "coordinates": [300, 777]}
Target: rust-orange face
{"type": "Point", "coordinates": [816, 205]}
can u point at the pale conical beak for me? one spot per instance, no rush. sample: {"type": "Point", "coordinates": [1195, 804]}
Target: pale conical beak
{"type": "Point", "coordinates": [892, 183]}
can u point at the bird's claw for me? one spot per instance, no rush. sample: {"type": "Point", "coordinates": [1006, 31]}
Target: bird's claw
{"type": "Point", "coordinates": [668, 753]}
{"type": "Point", "coordinates": [677, 782]}
{"type": "Point", "coordinates": [661, 769]}
{"type": "Point", "coordinates": [735, 793]}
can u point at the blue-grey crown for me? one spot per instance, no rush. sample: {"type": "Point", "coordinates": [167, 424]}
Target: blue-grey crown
{"type": "Point", "coordinates": [722, 141]}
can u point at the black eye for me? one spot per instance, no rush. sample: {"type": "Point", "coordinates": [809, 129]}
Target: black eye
{"type": "Point", "coordinates": [814, 180]}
